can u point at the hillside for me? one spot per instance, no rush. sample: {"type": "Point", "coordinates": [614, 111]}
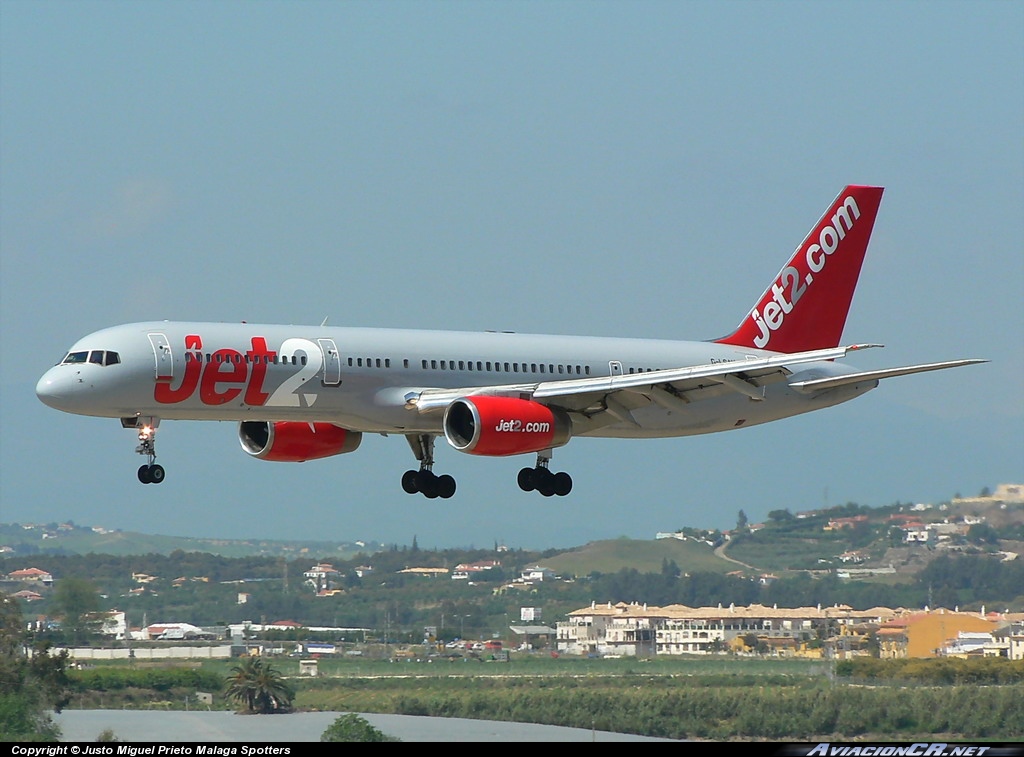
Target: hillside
{"type": "Point", "coordinates": [897, 540]}
{"type": "Point", "coordinates": [850, 538]}
{"type": "Point", "coordinates": [70, 539]}
{"type": "Point", "coordinates": [690, 556]}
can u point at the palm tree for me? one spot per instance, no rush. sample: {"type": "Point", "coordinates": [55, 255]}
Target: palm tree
{"type": "Point", "coordinates": [259, 686]}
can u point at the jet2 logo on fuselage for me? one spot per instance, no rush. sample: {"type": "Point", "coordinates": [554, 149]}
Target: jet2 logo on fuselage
{"type": "Point", "coordinates": [225, 374]}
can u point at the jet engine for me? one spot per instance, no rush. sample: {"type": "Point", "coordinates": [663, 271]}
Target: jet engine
{"type": "Point", "coordinates": [295, 441]}
{"type": "Point", "coordinates": [497, 426]}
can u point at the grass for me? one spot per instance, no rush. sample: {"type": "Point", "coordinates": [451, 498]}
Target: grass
{"type": "Point", "coordinates": [642, 555]}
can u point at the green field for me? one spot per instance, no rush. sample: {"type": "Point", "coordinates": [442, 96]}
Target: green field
{"type": "Point", "coordinates": [718, 699]}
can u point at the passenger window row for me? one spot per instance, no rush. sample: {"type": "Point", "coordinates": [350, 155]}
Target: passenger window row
{"type": "Point", "coordinates": [480, 366]}
{"type": "Point", "coordinates": [502, 367]}
{"type": "Point", "coordinates": [237, 357]}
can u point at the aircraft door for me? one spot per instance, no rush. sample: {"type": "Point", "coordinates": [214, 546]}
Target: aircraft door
{"type": "Point", "coordinates": [614, 368]}
{"type": "Point", "coordinates": [164, 359]}
{"type": "Point", "coordinates": [332, 362]}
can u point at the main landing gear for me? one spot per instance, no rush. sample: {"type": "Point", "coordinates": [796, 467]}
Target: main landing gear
{"type": "Point", "coordinates": [424, 481]}
{"type": "Point", "coordinates": [151, 473]}
{"type": "Point", "coordinates": [541, 479]}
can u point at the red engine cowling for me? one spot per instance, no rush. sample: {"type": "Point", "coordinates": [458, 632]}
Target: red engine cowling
{"type": "Point", "coordinates": [295, 441]}
{"type": "Point", "coordinates": [497, 426]}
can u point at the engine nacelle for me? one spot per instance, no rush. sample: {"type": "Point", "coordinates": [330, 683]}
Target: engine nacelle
{"type": "Point", "coordinates": [295, 441]}
{"type": "Point", "coordinates": [496, 426]}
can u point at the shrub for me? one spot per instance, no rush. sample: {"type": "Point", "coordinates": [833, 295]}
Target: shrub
{"type": "Point", "coordinates": [352, 727]}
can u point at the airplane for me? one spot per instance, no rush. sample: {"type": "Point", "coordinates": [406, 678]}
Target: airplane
{"type": "Point", "coordinates": [301, 393]}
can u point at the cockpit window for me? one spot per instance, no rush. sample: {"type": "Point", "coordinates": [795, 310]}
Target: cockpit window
{"type": "Point", "coordinates": [98, 357]}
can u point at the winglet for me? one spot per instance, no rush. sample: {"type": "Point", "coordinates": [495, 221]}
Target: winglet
{"type": "Point", "coordinates": [805, 306]}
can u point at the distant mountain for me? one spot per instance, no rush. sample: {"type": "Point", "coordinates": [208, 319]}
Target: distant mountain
{"type": "Point", "coordinates": [18, 539]}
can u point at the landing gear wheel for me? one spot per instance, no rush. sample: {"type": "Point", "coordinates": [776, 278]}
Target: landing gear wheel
{"type": "Point", "coordinates": [426, 483]}
{"type": "Point", "coordinates": [409, 482]}
{"type": "Point", "coordinates": [445, 486]}
{"type": "Point", "coordinates": [546, 482]}
{"type": "Point", "coordinates": [526, 480]}
{"type": "Point", "coordinates": [562, 483]}
{"type": "Point", "coordinates": [542, 480]}
{"type": "Point", "coordinates": [151, 474]}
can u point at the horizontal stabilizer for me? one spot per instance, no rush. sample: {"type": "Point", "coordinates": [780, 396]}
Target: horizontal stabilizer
{"type": "Point", "coordinates": [816, 385]}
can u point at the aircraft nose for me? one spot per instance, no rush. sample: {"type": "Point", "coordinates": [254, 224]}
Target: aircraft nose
{"type": "Point", "coordinates": [54, 388]}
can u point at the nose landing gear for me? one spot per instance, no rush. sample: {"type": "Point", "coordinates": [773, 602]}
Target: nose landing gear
{"type": "Point", "coordinates": [151, 472]}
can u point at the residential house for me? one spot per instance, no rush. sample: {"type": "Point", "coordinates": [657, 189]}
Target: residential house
{"type": "Point", "coordinates": [537, 573]}
{"type": "Point", "coordinates": [1015, 640]}
{"type": "Point", "coordinates": [113, 623]}
{"type": "Point", "coordinates": [916, 533]}
{"type": "Point", "coordinates": [632, 629]}
{"type": "Point", "coordinates": [466, 571]}
{"type": "Point", "coordinates": [838, 524]}
{"type": "Point", "coordinates": [322, 577]}
{"type": "Point", "coordinates": [607, 629]}
{"type": "Point", "coordinates": [924, 634]}
{"type": "Point", "coordinates": [976, 644]}
{"type": "Point", "coordinates": [31, 574]}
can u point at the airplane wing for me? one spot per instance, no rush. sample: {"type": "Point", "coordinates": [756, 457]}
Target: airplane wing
{"type": "Point", "coordinates": [669, 387]}
{"type": "Point", "coordinates": [814, 385]}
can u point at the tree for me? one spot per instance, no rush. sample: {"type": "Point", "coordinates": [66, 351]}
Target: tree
{"type": "Point", "coordinates": [352, 727]}
{"type": "Point", "coordinates": [78, 600]}
{"type": "Point", "coordinates": [259, 687]}
{"type": "Point", "coordinates": [982, 533]}
{"type": "Point", "coordinates": [741, 521]}
{"type": "Point", "coordinates": [29, 687]}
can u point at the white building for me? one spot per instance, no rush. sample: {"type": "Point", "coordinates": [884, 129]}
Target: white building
{"type": "Point", "coordinates": [537, 573]}
{"type": "Point", "coordinates": [635, 629]}
{"type": "Point", "coordinates": [976, 644]}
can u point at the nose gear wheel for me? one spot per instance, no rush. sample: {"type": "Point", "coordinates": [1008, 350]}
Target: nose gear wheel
{"type": "Point", "coordinates": [151, 472]}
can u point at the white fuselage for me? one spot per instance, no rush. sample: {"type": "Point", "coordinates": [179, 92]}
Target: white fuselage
{"type": "Point", "coordinates": [363, 378]}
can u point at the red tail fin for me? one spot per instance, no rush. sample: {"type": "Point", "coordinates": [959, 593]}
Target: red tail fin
{"type": "Point", "coordinates": [806, 305]}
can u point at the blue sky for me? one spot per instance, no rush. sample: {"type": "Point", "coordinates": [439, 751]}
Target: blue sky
{"type": "Point", "coordinates": [619, 168]}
